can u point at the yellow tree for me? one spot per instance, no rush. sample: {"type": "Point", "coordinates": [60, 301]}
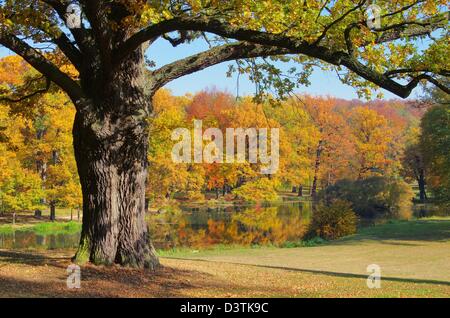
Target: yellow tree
{"type": "Point", "coordinates": [45, 144]}
{"type": "Point", "coordinates": [331, 134]}
{"type": "Point", "coordinates": [20, 188]}
{"type": "Point", "coordinates": [165, 176]}
{"type": "Point", "coordinates": [299, 139]}
{"type": "Point", "coordinates": [372, 137]}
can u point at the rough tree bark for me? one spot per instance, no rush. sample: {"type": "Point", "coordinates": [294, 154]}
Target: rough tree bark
{"type": "Point", "coordinates": [111, 142]}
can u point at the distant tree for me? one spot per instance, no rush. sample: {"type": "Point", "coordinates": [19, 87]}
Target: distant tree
{"type": "Point", "coordinates": [372, 136]}
{"type": "Point", "coordinates": [166, 177]}
{"type": "Point", "coordinates": [45, 145]}
{"type": "Point", "coordinates": [413, 164]}
{"type": "Point", "coordinates": [435, 142]}
{"type": "Point", "coordinates": [20, 188]}
{"type": "Point", "coordinates": [414, 168]}
{"type": "Point", "coordinates": [299, 137]}
{"type": "Point", "coordinates": [332, 129]}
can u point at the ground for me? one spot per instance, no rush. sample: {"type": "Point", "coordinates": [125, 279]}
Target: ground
{"type": "Point", "coordinates": [414, 259]}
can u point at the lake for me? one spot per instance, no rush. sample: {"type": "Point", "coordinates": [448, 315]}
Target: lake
{"type": "Point", "coordinates": [198, 226]}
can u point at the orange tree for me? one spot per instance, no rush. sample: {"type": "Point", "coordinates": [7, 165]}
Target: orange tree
{"type": "Point", "coordinates": [111, 92]}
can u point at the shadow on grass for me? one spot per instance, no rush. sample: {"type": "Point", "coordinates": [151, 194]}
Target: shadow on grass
{"type": "Point", "coordinates": [49, 279]}
{"type": "Point", "coordinates": [333, 274]}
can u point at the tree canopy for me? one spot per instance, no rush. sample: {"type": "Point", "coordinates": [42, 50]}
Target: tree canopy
{"type": "Point", "coordinates": [326, 34]}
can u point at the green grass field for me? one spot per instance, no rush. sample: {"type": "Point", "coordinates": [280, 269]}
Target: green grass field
{"type": "Point", "coordinates": [43, 228]}
{"type": "Point", "coordinates": [414, 256]}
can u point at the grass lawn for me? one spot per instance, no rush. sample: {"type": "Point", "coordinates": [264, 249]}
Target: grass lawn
{"type": "Point", "coordinates": [43, 228]}
{"type": "Point", "coordinates": [413, 252]}
{"type": "Point", "coordinates": [414, 258]}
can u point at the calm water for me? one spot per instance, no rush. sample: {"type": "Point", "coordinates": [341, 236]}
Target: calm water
{"type": "Point", "coordinates": [201, 226]}
{"type": "Point", "coordinates": [25, 239]}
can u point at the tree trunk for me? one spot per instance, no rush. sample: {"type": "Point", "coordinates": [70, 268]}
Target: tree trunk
{"type": "Point", "coordinates": [316, 170]}
{"type": "Point", "coordinates": [300, 190]}
{"type": "Point", "coordinates": [422, 192]}
{"type": "Point", "coordinates": [52, 211]}
{"type": "Point", "coordinates": [113, 176]}
{"type": "Point", "coordinates": [111, 145]}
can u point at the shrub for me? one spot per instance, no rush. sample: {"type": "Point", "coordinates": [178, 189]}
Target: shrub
{"type": "Point", "coordinates": [258, 190]}
{"type": "Point", "coordinates": [333, 221]}
{"type": "Point", "coordinates": [373, 197]}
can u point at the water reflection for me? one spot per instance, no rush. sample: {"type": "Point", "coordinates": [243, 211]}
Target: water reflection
{"type": "Point", "coordinates": [28, 239]}
{"type": "Point", "coordinates": [196, 226]}
{"type": "Point", "coordinates": [202, 226]}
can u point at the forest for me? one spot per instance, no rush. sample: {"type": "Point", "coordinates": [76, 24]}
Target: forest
{"type": "Point", "coordinates": [323, 140]}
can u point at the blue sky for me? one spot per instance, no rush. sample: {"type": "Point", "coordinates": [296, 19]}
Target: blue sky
{"type": "Point", "coordinates": [322, 83]}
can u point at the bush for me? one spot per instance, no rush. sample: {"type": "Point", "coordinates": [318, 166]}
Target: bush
{"type": "Point", "coordinates": [259, 190]}
{"type": "Point", "coordinates": [373, 197]}
{"type": "Point", "coordinates": [333, 221]}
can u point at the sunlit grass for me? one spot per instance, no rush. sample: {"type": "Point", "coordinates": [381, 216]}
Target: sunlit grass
{"type": "Point", "coordinates": [46, 228]}
{"type": "Point", "coordinates": [218, 248]}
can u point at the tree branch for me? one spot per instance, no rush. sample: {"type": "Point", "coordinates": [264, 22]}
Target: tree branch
{"type": "Point", "coordinates": [80, 35]}
{"type": "Point", "coordinates": [212, 57]}
{"type": "Point", "coordinates": [41, 64]}
{"type": "Point", "coordinates": [414, 70]}
{"type": "Point", "coordinates": [342, 17]}
{"type": "Point", "coordinates": [22, 98]}
{"type": "Point", "coordinates": [290, 44]}
{"type": "Point", "coordinates": [69, 50]}
{"type": "Point", "coordinates": [408, 29]}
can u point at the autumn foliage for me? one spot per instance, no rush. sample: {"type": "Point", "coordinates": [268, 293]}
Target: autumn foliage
{"type": "Point", "coordinates": [322, 140]}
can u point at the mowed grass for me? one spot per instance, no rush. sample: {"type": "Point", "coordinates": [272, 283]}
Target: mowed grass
{"type": "Point", "coordinates": [25, 274]}
{"type": "Point", "coordinates": [414, 257]}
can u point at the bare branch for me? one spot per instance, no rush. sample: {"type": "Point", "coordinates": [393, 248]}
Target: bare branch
{"type": "Point", "coordinates": [415, 70]}
{"type": "Point", "coordinates": [409, 29]}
